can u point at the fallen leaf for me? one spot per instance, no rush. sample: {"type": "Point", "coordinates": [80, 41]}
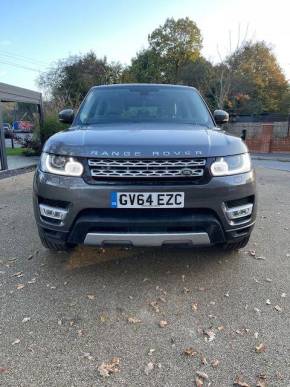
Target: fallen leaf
{"type": "Point", "coordinates": [261, 381]}
{"type": "Point", "coordinates": [252, 253]}
{"type": "Point", "coordinates": [106, 369]}
{"type": "Point", "coordinates": [268, 302]}
{"type": "Point", "coordinates": [151, 351]}
{"type": "Point", "coordinates": [215, 363]}
{"type": "Point", "coordinates": [162, 299]}
{"type": "Point", "coordinates": [133, 320]}
{"type": "Point", "coordinates": [17, 341]}
{"type": "Point", "coordinates": [209, 335]}
{"type": "Point", "coordinates": [256, 334]}
{"type": "Point", "coordinates": [257, 310]}
{"type": "Point", "coordinates": [155, 306]}
{"type": "Point", "coordinates": [194, 307]}
{"type": "Point", "coordinates": [190, 352]}
{"type": "Point", "coordinates": [186, 290]}
{"type": "Point", "coordinates": [104, 318]}
{"type": "Point", "coordinates": [227, 294]}
{"type": "Point", "coordinates": [283, 295]}
{"type": "Point", "coordinates": [202, 375]}
{"type": "Point", "coordinates": [18, 274]}
{"type": "Point", "coordinates": [268, 280]}
{"type": "Point", "coordinates": [88, 356]}
{"type": "Point", "coordinates": [161, 290]}
{"type": "Point", "coordinates": [240, 383]}
{"type": "Point", "coordinates": [3, 370]}
{"type": "Point", "coordinates": [91, 296]}
{"type": "Point", "coordinates": [149, 367]}
{"type": "Point", "coordinates": [20, 286]}
{"type": "Point", "coordinates": [260, 348]}
{"type": "Point", "coordinates": [220, 328]}
{"type": "Point", "coordinates": [163, 323]}
{"type": "Point", "coordinates": [26, 319]}
{"type": "Point", "coordinates": [198, 381]}
{"type": "Point", "coordinates": [80, 332]}
{"type": "Point", "coordinates": [203, 360]}
{"type": "Point", "coordinates": [278, 308]}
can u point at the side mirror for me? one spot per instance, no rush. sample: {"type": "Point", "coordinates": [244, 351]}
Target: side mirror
{"type": "Point", "coordinates": [221, 117]}
{"type": "Point", "coordinates": [66, 116]}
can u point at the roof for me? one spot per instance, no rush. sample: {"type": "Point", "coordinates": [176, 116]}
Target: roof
{"type": "Point", "coordinates": [9, 93]}
{"type": "Point", "coordinates": [144, 85]}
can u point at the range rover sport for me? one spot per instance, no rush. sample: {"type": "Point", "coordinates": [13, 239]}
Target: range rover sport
{"type": "Point", "coordinates": [144, 165]}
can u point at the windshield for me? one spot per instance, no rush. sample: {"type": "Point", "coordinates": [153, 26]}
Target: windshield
{"type": "Point", "coordinates": [143, 104]}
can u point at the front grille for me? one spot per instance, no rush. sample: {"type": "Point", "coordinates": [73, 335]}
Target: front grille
{"type": "Point", "coordinates": [147, 168]}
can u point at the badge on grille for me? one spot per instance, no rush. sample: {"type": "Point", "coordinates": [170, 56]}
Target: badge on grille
{"type": "Point", "coordinates": [186, 172]}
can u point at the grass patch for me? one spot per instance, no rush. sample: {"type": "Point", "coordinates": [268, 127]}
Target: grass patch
{"type": "Point", "coordinates": [15, 151]}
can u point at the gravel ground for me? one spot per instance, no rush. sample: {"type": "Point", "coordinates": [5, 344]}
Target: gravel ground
{"type": "Point", "coordinates": [63, 315]}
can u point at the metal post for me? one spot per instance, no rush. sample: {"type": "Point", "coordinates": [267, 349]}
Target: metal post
{"type": "Point", "coordinates": [244, 134]}
{"type": "Point", "coordinates": [41, 121]}
{"type": "Point", "coordinates": [3, 157]}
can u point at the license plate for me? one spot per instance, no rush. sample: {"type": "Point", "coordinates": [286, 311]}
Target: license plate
{"type": "Point", "coordinates": [147, 200]}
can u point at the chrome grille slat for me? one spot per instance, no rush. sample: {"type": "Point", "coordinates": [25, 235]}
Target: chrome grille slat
{"type": "Point", "coordinates": [145, 168]}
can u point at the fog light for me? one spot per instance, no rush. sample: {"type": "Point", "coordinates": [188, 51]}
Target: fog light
{"type": "Point", "coordinates": [52, 212]}
{"type": "Point", "coordinates": [239, 212]}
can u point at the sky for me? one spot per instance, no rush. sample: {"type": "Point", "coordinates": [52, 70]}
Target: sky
{"type": "Point", "coordinates": [35, 34]}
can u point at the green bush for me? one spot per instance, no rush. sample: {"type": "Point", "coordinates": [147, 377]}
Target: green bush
{"type": "Point", "coordinates": [33, 145]}
{"type": "Point", "coordinates": [50, 126]}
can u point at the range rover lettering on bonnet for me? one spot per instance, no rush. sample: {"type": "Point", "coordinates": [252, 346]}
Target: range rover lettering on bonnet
{"type": "Point", "coordinates": [142, 154]}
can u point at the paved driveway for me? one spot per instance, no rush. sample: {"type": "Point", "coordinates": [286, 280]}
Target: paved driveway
{"type": "Point", "coordinates": [272, 164]}
{"type": "Point", "coordinates": [227, 315]}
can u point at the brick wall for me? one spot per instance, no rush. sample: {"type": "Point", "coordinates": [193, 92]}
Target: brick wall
{"type": "Point", "coordinates": [280, 145]}
{"type": "Point", "coordinates": [264, 138]}
{"type": "Point", "coordinates": [253, 129]}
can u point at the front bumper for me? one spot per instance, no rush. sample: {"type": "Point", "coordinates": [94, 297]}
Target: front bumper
{"type": "Point", "coordinates": [89, 212]}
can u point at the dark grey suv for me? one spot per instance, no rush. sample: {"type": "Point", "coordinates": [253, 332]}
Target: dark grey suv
{"type": "Point", "coordinates": [144, 165]}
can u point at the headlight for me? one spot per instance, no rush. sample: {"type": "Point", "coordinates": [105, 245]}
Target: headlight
{"type": "Point", "coordinates": [231, 165]}
{"type": "Point", "coordinates": [60, 165]}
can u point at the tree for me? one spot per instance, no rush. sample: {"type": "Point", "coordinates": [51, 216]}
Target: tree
{"type": "Point", "coordinates": [198, 73]}
{"type": "Point", "coordinates": [171, 46]}
{"type": "Point", "coordinates": [176, 42]}
{"type": "Point", "coordinates": [259, 84]}
{"type": "Point", "coordinates": [250, 81]}
{"type": "Point", "coordinates": [146, 67]}
{"type": "Point", "coordinates": [70, 80]}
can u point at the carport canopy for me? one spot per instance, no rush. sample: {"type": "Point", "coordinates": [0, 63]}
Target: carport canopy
{"type": "Point", "coordinates": [9, 93]}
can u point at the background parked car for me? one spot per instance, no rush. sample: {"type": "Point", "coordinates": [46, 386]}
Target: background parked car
{"type": "Point", "coordinates": [7, 129]}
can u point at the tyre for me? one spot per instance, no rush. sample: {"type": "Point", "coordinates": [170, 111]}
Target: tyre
{"type": "Point", "coordinates": [53, 245]}
{"type": "Point", "coordinates": [231, 246]}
